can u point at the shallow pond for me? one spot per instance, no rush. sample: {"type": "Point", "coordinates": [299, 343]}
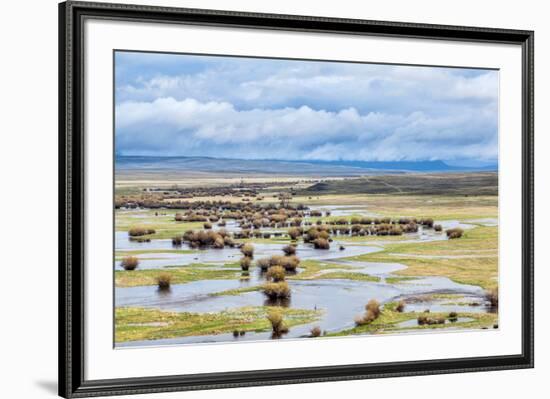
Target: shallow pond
{"type": "Point", "coordinates": [231, 255]}
{"type": "Point", "coordinates": [340, 300]}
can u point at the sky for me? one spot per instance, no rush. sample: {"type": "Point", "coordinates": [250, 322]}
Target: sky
{"type": "Point", "coordinates": [252, 108]}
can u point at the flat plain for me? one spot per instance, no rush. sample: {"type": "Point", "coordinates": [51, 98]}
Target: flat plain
{"type": "Point", "coordinates": [214, 257]}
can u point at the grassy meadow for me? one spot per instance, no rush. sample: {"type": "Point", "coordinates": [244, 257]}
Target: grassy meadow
{"type": "Point", "coordinates": [279, 256]}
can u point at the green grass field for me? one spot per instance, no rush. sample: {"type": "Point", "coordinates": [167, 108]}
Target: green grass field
{"type": "Point", "coordinates": [138, 324]}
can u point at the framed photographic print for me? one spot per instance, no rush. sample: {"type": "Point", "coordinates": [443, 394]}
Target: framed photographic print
{"type": "Point", "coordinates": [252, 199]}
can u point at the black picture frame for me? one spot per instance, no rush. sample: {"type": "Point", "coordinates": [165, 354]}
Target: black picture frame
{"type": "Point", "coordinates": [71, 199]}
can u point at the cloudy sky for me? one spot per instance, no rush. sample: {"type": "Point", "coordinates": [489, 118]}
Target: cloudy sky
{"type": "Point", "coordinates": [228, 107]}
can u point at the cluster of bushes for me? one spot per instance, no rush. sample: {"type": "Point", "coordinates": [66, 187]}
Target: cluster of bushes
{"type": "Point", "coordinates": [238, 333]}
{"type": "Point", "coordinates": [425, 319]}
{"type": "Point", "coordinates": [129, 263]}
{"type": "Point", "coordinates": [372, 312]}
{"type": "Point", "coordinates": [191, 217]}
{"type": "Point", "coordinates": [453, 233]}
{"type": "Point", "coordinates": [139, 231]}
{"type": "Point", "coordinates": [276, 267]}
{"type": "Point", "coordinates": [289, 263]}
{"type": "Point", "coordinates": [155, 201]}
{"type": "Point", "coordinates": [318, 236]}
{"type": "Point", "coordinates": [276, 291]}
{"type": "Point", "coordinates": [207, 238]}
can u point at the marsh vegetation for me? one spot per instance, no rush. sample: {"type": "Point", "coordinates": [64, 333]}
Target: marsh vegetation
{"type": "Point", "coordinates": [289, 258]}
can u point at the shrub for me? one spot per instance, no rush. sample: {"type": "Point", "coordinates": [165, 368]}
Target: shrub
{"type": "Point", "coordinates": [454, 233]}
{"type": "Point", "coordinates": [245, 263]}
{"type": "Point", "coordinates": [279, 290]}
{"type": "Point", "coordinates": [311, 235]}
{"type": "Point", "coordinates": [221, 223]}
{"type": "Point", "coordinates": [321, 243]}
{"type": "Point", "coordinates": [177, 241]}
{"type": "Point", "coordinates": [294, 233]}
{"type": "Point", "coordinates": [289, 250]}
{"type": "Point", "coordinates": [276, 274]}
{"type": "Point", "coordinates": [129, 263]}
{"type": "Point", "coordinates": [275, 260]}
{"type": "Point", "coordinates": [410, 228]}
{"type": "Point", "coordinates": [372, 311]}
{"type": "Point", "coordinates": [438, 227]}
{"type": "Point", "coordinates": [453, 316]}
{"type": "Point", "coordinates": [164, 280]}
{"type": "Point", "coordinates": [400, 306]}
{"type": "Point", "coordinates": [492, 297]}
{"type": "Point", "coordinates": [396, 230]}
{"type": "Point", "coordinates": [275, 317]}
{"type": "Point", "coordinates": [297, 222]}
{"type": "Point", "coordinates": [229, 241]}
{"type": "Point", "coordinates": [178, 217]}
{"type": "Point", "coordinates": [207, 225]}
{"type": "Point", "coordinates": [248, 250]}
{"type": "Point", "coordinates": [140, 231]}
{"type": "Point", "coordinates": [373, 307]}
{"type": "Point", "coordinates": [422, 319]}
{"type": "Point", "coordinates": [315, 331]}
{"type": "Point", "coordinates": [290, 263]}
{"type": "Point", "coordinates": [263, 264]}
{"type": "Point", "coordinates": [428, 222]}
{"type": "Point", "coordinates": [219, 243]}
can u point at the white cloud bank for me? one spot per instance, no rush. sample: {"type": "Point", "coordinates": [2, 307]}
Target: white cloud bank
{"type": "Point", "coordinates": [258, 109]}
{"type": "Point", "coordinates": [192, 128]}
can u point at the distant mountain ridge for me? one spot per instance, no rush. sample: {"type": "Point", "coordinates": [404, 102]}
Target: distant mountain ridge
{"type": "Point", "coordinates": [420, 166]}
{"type": "Point", "coordinates": [295, 167]}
